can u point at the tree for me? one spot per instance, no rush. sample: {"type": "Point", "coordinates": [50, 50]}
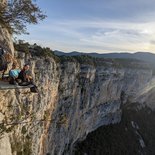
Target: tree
{"type": "Point", "coordinates": [16, 14]}
{"type": "Point", "coordinates": [22, 46]}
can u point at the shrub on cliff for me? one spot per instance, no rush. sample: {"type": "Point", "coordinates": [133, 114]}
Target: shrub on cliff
{"type": "Point", "coordinates": [34, 50]}
{"type": "Point", "coordinates": [16, 14]}
{"type": "Point", "coordinates": [42, 51]}
{"type": "Point", "coordinates": [22, 46]}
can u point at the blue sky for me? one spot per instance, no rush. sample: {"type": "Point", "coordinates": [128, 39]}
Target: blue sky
{"type": "Point", "coordinates": [95, 26]}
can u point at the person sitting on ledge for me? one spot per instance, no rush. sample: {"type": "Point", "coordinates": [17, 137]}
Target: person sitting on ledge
{"type": "Point", "coordinates": [26, 78]}
{"type": "Point", "coordinates": [25, 75]}
{"type": "Point", "coordinates": [13, 75]}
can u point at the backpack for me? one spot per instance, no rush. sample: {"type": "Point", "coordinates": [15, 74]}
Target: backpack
{"type": "Point", "coordinates": [2, 51]}
{"type": "Point", "coordinates": [34, 89]}
{"type": "Point", "coordinates": [3, 62]}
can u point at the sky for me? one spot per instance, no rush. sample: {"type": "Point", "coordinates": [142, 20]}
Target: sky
{"type": "Point", "coordinates": [101, 26]}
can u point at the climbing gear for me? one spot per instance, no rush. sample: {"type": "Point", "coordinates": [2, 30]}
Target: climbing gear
{"type": "Point", "coordinates": [2, 51]}
{"type": "Point", "coordinates": [34, 89]}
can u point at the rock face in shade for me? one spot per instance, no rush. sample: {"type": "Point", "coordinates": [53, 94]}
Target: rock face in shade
{"type": "Point", "coordinates": [74, 99]}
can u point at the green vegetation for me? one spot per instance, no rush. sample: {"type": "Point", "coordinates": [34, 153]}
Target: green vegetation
{"type": "Point", "coordinates": [34, 50]}
{"type": "Point", "coordinates": [47, 115]}
{"type": "Point", "coordinates": [45, 52]}
{"type": "Point", "coordinates": [22, 145]}
{"type": "Point", "coordinates": [121, 139]}
{"type": "Point", "coordinates": [116, 63]}
{"type": "Point", "coordinates": [131, 63]}
{"type": "Point", "coordinates": [4, 128]}
{"type": "Point", "coordinates": [85, 59]}
{"type": "Point", "coordinates": [41, 52]}
{"type": "Point", "coordinates": [16, 14]}
{"type": "Point", "coordinates": [22, 46]}
{"type": "Point", "coordinates": [63, 121]}
{"type": "Point", "coordinates": [82, 59]}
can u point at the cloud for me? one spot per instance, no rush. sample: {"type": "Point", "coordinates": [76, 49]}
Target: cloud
{"type": "Point", "coordinates": [152, 42]}
{"type": "Point", "coordinates": [96, 35]}
{"type": "Point", "coordinates": [100, 25]}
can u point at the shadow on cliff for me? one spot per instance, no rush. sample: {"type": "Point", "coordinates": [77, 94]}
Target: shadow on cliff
{"type": "Point", "coordinates": [133, 135]}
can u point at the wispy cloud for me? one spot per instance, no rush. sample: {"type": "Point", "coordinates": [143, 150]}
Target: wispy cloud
{"type": "Point", "coordinates": [101, 26]}
{"type": "Point", "coordinates": [101, 35]}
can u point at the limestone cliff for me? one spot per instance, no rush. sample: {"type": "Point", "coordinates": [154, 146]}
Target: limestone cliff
{"type": "Point", "coordinates": [7, 44]}
{"type": "Point", "coordinates": [89, 97]}
{"type": "Point", "coordinates": [74, 99]}
{"type": "Point", "coordinates": [6, 40]}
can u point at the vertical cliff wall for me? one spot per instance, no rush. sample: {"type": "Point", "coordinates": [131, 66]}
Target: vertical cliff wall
{"type": "Point", "coordinates": [73, 100]}
{"type": "Point", "coordinates": [7, 44]}
{"type": "Point", "coordinates": [88, 98]}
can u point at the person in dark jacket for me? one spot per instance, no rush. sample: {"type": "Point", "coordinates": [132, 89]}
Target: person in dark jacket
{"type": "Point", "coordinates": [25, 74]}
{"type": "Point", "coordinates": [26, 78]}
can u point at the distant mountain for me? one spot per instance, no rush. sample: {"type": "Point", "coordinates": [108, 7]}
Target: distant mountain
{"type": "Point", "coordinates": [145, 56]}
{"type": "Point", "coordinates": [74, 53]}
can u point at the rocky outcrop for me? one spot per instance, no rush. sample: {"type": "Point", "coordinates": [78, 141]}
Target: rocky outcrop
{"type": "Point", "coordinates": [25, 114]}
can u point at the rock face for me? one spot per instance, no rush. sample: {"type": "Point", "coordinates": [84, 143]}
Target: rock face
{"type": "Point", "coordinates": [7, 44]}
{"type": "Point", "coordinates": [6, 41]}
{"type": "Point", "coordinates": [73, 100]}
{"type": "Point", "coordinates": [88, 98]}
